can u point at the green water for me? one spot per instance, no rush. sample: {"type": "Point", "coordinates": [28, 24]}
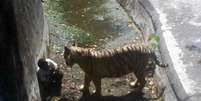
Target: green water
{"type": "Point", "coordinates": [86, 22]}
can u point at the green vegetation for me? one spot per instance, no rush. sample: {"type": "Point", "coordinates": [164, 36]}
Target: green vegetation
{"type": "Point", "coordinates": [62, 33]}
{"type": "Point", "coordinates": [154, 41]}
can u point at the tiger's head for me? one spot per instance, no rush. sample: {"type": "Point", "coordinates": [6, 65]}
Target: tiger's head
{"type": "Point", "coordinates": [67, 56]}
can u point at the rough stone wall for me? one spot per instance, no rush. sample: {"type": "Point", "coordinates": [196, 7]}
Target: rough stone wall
{"type": "Point", "coordinates": [23, 40]}
{"type": "Point", "coordinates": [31, 38]}
{"type": "Point", "coordinates": [140, 16]}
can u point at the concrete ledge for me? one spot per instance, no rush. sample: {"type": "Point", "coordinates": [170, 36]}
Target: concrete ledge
{"type": "Point", "coordinates": [179, 25]}
{"type": "Point", "coordinates": [181, 45]}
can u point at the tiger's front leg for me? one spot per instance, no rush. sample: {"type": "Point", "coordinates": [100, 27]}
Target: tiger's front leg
{"type": "Point", "coordinates": [97, 83]}
{"type": "Point", "coordinates": [87, 80]}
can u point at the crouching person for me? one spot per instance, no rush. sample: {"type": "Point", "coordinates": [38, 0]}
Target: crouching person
{"type": "Point", "coordinates": [49, 79]}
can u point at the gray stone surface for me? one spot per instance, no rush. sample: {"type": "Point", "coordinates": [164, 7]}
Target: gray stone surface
{"type": "Point", "coordinates": [32, 40]}
{"type": "Point", "coordinates": [181, 32]}
{"type": "Point", "coordinates": [179, 24]}
{"type": "Point", "coordinates": [22, 42]}
{"type": "Point", "coordinates": [139, 15]}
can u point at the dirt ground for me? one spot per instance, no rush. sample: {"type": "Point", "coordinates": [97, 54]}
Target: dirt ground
{"type": "Point", "coordinates": [116, 24]}
{"type": "Point", "coordinates": [113, 89]}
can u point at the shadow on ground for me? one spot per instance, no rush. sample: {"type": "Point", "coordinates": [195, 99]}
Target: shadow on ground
{"type": "Point", "coordinates": [133, 96]}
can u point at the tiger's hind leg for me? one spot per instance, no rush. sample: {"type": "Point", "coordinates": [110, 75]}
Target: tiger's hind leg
{"type": "Point", "coordinates": [133, 80]}
{"type": "Point", "coordinates": [87, 80]}
{"type": "Point", "coordinates": [97, 83]}
{"type": "Point", "coordinates": [136, 83]}
{"type": "Point", "coordinates": [140, 81]}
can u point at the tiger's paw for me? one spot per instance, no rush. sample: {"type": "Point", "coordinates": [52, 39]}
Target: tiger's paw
{"type": "Point", "coordinates": [133, 84]}
{"type": "Point", "coordinates": [137, 87]}
{"type": "Point", "coordinates": [96, 94]}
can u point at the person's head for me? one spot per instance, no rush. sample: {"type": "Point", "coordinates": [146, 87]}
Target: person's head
{"type": "Point", "coordinates": [47, 64]}
{"type": "Point", "coordinates": [43, 64]}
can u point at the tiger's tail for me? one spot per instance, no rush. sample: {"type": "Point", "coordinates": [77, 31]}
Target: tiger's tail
{"type": "Point", "coordinates": [159, 63]}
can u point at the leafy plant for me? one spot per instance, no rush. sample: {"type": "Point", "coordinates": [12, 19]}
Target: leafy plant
{"type": "Point", "coordinates": [153, 41]}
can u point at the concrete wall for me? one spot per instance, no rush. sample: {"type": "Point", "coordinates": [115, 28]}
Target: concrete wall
{"type": "Point", "coordinates": [146, 18]}
{"type": "Point", "coordinates": [178, 24]}
{"type": "Point", "coordinates": [23, 40]}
